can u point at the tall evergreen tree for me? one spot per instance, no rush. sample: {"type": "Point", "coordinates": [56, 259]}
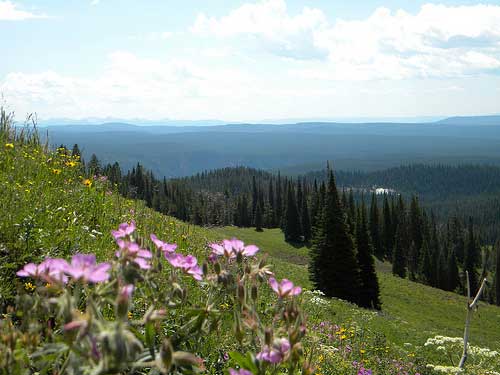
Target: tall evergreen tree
{"type": "Point", "coordinates": [398, 255]}
{"type": "Point", "coordinates": [375, 228]}
{"type": "Point", "coordinates": [369, 295]}
{"type": "Point", "coordinates": [453, 274]}
{"type": "Point", "coordinates": [497, 275]}
{"type": "Point", "coordinates": [426, 264]}
{"type": "Point", "coordinates": [334, 268]}
{"type": "Point", "coordinates": [305, 220]}
{"type": "Point", "coordinates": [292, 227]}
{"type": "Point", "coordinates": [471, 258]}
{"type": "Point", "coordinates": [258, 218]}
{"type": "Point", "coordinates": [387, 230]}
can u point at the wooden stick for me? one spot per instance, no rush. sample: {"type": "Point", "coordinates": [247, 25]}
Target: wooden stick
{"type": "Point", "coordinates": [470, 310]}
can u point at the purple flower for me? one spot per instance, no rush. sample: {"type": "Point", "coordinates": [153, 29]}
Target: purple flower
{"type": "Point", "coordinates": [126, 291]}
{"type": "Point", "coordinates": [51, 270]}
{"type": "Point", "coordinates": [241, 371]}
{"type": "Point", "coordinates": [285, 288]}
{"type": "Point", "coordinates": [363, 371]}
{"type": "Point", "coordinates": [163, 246]}
{"type": "Point", "coordinates": [132, 252]}
{"type": "Point", "coordinates": [84, 267]}
{"type": "Point", "coordinates": [124, 230]}
{"type": "Point", "coordinates": [187, 263]}
{"type": "Point", "coordinates": [231, 248]}
{"type": "Point", "coordinates": [275, 353]}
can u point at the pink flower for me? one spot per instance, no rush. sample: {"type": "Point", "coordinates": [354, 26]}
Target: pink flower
{"type": "Point", "coordinates": [132, 252]}
{"type": "Point", "coordinates": [275, 353]}
{"type": "Point", "coordinates": [51, 270]}
{"type": "Point", "coordinates": [285, 288]}
{"type": "Point", "coordinates": [163, 246]}
{"type": "Point", "coordinates": [239, 372]}
{"type": "Point", "coordinates": [187, 263]}
{"type": "Point", "coordinates": [126, 291]}
{"type": "Point", "coordinates": [84, 267]}
{"type": "Point", "coordinates": [231, 248]}
{"type": "Point", "coordinates": [124, 230]}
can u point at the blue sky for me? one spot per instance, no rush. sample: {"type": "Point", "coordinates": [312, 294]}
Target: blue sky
{"type": "Point", "coordinates": [250, 60]}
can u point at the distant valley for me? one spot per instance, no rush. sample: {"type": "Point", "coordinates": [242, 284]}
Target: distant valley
{"type": "Point", "coordinates": [174, 151]}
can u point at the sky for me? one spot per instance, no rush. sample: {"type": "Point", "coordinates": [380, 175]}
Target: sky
{"type": "Point", "coordinates": [249, 60]}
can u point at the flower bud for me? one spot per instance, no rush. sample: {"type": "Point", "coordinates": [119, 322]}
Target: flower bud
{"type": "Point", "coordinates": [268, 336]}
{"type": "Point", "coordinates": [297, 351]}
{"type": "Point", "coordinates": [204, 268]}
{"type": "Point", "coordinates": [217, 268]}
{"type": "Point", "coordinates": [239, 257]}
{"type": "Point", "coordinates": [254, 293]}
{"type": "Point", "coordinates": [241, 293]}
{"type": "Point", "coordinates": [248, 270]}
{"type": "Point", "coordinates": [166, 355]}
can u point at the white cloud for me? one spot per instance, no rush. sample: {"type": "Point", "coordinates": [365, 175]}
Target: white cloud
{"type": "Point", "coordinates": [129, 87]}
{"type": "Point", "coordinates": [269, 24]}
{"type": "Point", "coordinates": [437, 41]}
{"type": "Point", "coordinates": [10, 12]}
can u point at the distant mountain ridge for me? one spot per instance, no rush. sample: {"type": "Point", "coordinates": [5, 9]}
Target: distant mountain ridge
{"type": "Point", "coordinates": [174, 151]}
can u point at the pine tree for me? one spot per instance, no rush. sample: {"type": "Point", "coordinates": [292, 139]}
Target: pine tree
{"type": "Point", "coordinates": [471, 258]}
{"type": "Point", "coordinates": [497, 275]}
{"type": "Point", "coordinates": [255, 197]}
{"type": "Point", "coordinates": [398, 256]}
{"type": "Point", "coordinates": [369, 295]}
{"type": "Point", "coordinates": [334, 268]}
{"type": "Point", "coordinates": [76, 151]}
{"type": "Point", "coordinates": [375, 228]}
{"type": "Point", "coordinates": [453, 274]}
{"type": "Point", "coordinates": [258, 218]}
{"type": "Point", "coordinates": [94, 166]}
{"type": "Point", "coordinates": [305, 220]}
{"type": "Point", "coordinates": [292, 227]}
{"type": "Point", "coordinates": [426, 267]}
{"type": "Point", "coordinates": [387, 230]}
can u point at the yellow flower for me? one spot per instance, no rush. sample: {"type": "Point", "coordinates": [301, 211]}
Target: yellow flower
{"type": "Point", "coordinates": [321, 358]}
{"type": "Point", "coordinates": [87, 182]}
{"type": "Point", "coordinates": [56, 171]}
{"type": "Point", "coordinates": [343, 337]}
{"type": "Point", "coordinates": [9, 145]}
{"type": "Point", "coordinates": [71, 164]}
{"type": "Point", "coordinates": [29, 287]}
{"type": "Point", "coordinates": [362, 351]}
{"type": "Point", "coordinates": [129, 315]}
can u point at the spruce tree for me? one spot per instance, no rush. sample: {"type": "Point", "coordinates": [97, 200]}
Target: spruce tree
{"type": "Point", "coordinates": [334, 268]}
{"type": "Point", "coordinates": [471, 258]}
{"type": "Point", "coordinates": [292, 228]}
{"type": "Point", "coordinates": [453, 274]}
{"type": "Point", "coordinates": [398, 255]}
{"type": "Point", "coordinates": [375, 228]}
{"type": "Point", "coordinates": [387, 230]}
{"type": "Point", "coordinates": [369, 295]}
{"type": "Point", "coordinates": [258, 218]}
{"type": "Point", "coordinates": [497, 275]}
{"type": "Point", "coordinates": [306, 221]}
{"type": "Point", "coordinates": [426, 267]}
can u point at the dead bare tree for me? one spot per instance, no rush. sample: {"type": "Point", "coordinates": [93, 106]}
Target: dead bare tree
{"type": "Point", "coordinates": [470, 309]}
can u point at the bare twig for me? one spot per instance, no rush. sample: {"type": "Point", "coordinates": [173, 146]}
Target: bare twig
{"type": "Point", "coordinates": [470, 310]}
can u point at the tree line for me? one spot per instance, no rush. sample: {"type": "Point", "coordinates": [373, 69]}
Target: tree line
{"type": "Point", "coordinates": [419, 245]}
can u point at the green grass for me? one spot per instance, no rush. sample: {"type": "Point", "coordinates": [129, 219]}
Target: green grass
{"type": "Point", "coordinates": [411, 312]}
